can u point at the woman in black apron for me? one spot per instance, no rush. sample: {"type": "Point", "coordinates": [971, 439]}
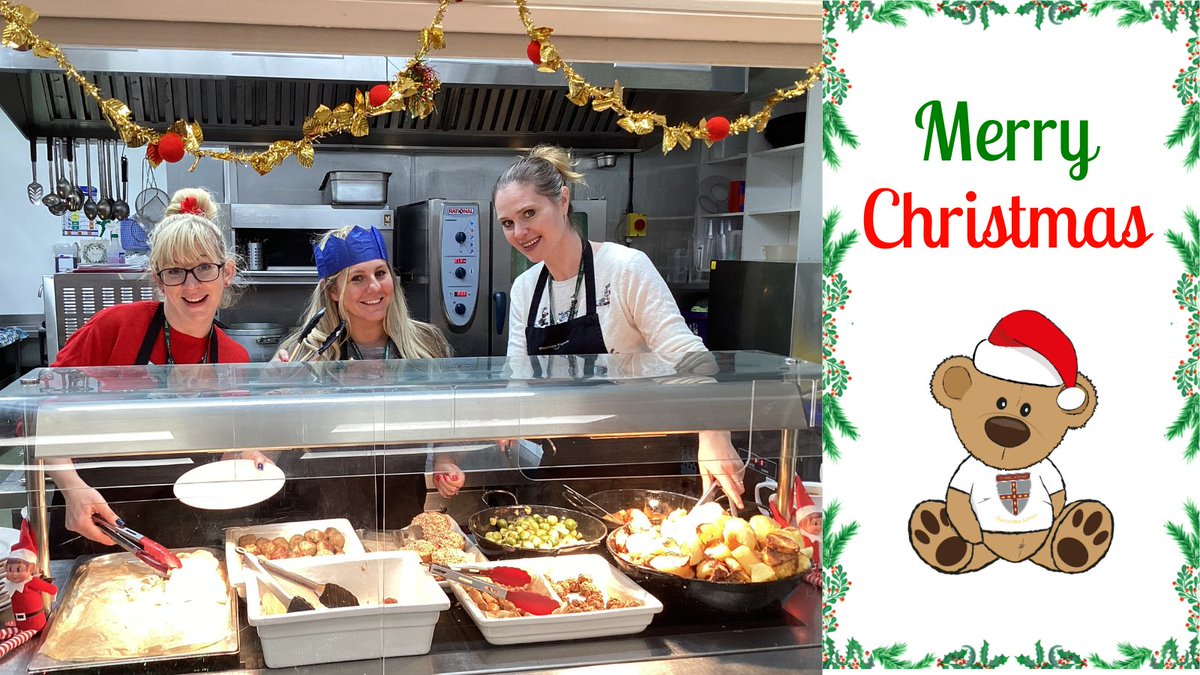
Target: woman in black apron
{"type": "Point", "coordinates": [365, 318]}
{"type": "Point", "coordinates": [193, 272]}
{"type": "Point", "coordinates": [627, 307]}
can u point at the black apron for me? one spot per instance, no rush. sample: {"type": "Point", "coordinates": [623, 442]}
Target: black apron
{"type": "Point", "coordinates": [156, 326]}
{"type": "Point", "coordinates": [580, 335]}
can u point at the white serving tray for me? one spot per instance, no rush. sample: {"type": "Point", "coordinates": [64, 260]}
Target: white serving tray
{"type": "Point", "coordinates": [233, 561]}
{"type": "Point", "coordinates": [369, 631]}
{"type": "Point", "coordinates": [624, 621]}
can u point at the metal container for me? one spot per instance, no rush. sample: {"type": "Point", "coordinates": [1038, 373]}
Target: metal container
{"type": "Point", "coordinates": [212, 657]}
{"type": "Point", "coordinates": [261, 340]}
{"type": "Point", "coordinates": [254, 257]}
{"type": "Point", "coordinates": [355, 187]}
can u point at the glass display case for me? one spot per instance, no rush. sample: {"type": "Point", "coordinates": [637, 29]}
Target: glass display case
{"type": "Point", "coordinates": [368, 444]}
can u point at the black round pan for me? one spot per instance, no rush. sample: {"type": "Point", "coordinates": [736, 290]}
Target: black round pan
{"type": "Point", "coordinates": [590, 529]}
{"type": "Point", "coordinates": [682, 596]}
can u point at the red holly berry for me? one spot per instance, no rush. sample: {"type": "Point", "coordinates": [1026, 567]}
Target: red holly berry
{"type": "Point", "coordinates": [379, 95]}
{"type": "Point", "coordinates": [718, 128]}
{"type": "Point", "coordinates": [170, 147]}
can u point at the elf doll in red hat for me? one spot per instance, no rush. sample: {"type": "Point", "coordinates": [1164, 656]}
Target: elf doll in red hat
{"type": "Point", "coordinates": [25, 589]}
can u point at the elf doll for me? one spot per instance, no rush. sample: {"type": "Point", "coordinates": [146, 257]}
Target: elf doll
{"type": "Point", "coordinates": [25, 589]}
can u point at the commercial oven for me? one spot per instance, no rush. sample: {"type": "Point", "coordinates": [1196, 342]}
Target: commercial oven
{"type": "Point", "coordinates": [455, 275]}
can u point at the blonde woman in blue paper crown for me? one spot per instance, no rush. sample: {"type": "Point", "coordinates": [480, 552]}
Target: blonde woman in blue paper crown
{"type": "Point", "coordinates": [358, 287]}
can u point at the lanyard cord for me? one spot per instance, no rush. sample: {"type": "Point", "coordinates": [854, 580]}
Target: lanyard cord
{"type": "Point", "coordinates": [574, 296]}
{"type": "Point", "coordinates": [357, 353]}
{"type": "Point", "coordinates": [167, 343]}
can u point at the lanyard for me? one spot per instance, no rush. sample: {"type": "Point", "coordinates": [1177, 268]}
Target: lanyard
{"type": "Point", "coordinates": [574, 296]}
{"type": "Point", "coordinates": [356, 353]}
{"type": "Point", "coordinates": [167, 343]}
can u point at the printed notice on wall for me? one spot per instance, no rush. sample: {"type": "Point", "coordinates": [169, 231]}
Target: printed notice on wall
{"type": "Point", "coordinates": [1012, 241]}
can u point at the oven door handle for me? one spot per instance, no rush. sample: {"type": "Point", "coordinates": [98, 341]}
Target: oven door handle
{"type": "Point", "coordinates": [500, 304]}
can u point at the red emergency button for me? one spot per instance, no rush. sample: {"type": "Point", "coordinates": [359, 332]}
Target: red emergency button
{"type": "Point", "coordinates": [639, 224]}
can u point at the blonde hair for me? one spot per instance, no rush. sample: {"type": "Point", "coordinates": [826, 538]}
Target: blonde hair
{"type": "Point", "coordinates": [547, 169]}
{"type": "Point", "coordinates": [414, 339]}
{"type": "Point", "coordinates": [182, 238]}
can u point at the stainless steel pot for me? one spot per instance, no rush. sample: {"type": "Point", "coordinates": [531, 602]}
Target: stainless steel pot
{"type": "Point", "coordinates": [261, 340]}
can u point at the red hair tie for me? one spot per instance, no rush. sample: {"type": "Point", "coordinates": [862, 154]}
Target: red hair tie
{"type": "Point", "coordinates": [189, 205]}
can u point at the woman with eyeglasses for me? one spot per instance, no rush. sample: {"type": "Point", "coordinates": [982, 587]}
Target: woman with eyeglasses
{"type": "Point", "coordinates": [193, 272]}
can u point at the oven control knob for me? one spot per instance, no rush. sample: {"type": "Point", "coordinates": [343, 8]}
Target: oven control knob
{"type": "Point", "coordinates": [460, 309]}
{"type": "Point", "coordinates": [460, 273]}
{"type": "Point", "coordinates": [460, 237]}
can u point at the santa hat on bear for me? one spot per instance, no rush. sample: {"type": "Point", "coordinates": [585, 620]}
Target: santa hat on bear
{"type": "Point", "coordinates": [1027, 347]}
{"type": "Point", "coordinates": [25, 549]}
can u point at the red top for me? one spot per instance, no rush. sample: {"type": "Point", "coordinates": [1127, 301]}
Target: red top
{"type": "Point", "coordinates": [29, 601]}
{"type": "Point", "coordinates": [113, 337]}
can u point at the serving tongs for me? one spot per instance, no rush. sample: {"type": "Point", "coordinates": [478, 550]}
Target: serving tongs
{"type": "Point", "coordinates": [294, 603]}
{"type": "Point", "coordinates": [334, 337]}
{"type": "Point", "coordinates": [584, 504]}
{"type": "Point", "coordinates": [507, 576]}
{"type": "Point", "coordinates": [527, 601]}
{"type": "Point", "coordinates": [158, 557]}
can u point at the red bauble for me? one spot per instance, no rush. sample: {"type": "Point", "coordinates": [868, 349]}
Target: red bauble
{"type": "Point", "coordinates": [534, 52]}
{"type": "Point", "coordinates": [170, 147]}
{"type": "Point", "coordinates": [152, 154]}
{"type": "Point", "coordinates": [379, 95]}
{"type": "Point", "coordinates": [718, 128]}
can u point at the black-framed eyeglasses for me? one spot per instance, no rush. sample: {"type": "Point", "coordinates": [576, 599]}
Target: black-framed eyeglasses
{"type": "Point", "coordinates": [175, 276]}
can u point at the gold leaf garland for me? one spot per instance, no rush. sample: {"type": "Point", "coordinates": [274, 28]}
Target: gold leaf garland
{"type": "Point", "coordinates": [580, 91]}
{"type": "Point", "coordinates": [412, 90]}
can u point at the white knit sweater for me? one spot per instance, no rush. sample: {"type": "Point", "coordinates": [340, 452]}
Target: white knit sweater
{"type": "Point", "coordinates": [637, 312]}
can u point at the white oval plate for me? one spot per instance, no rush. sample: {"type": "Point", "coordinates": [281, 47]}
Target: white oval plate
{"type": "Point", "coordinates": [228, 484]}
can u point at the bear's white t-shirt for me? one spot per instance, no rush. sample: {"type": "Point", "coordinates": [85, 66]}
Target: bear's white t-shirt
{"type": "Point", "coordinates": [1009, 500]}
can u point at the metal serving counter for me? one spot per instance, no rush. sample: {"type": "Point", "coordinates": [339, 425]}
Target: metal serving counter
{"type": "Point", "coordinates": [758, 645]}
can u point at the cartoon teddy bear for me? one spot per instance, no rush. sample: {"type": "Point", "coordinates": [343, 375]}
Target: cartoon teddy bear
{"type": "Point", "coordinates": [1011, 404]}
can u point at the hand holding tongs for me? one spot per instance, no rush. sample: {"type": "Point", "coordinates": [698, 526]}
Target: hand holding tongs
{"type": "Point", "coordinates": [334, 337]}
{"type": "Point", "coordinates": [154, 554]}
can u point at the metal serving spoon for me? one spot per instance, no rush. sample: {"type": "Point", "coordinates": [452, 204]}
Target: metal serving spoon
{"type": "Point", "coordinates": [89, 204]}
{"type": "Point", "coordinates": [75, 199]}
{"type": "Point", "coordinates": [51, 199]}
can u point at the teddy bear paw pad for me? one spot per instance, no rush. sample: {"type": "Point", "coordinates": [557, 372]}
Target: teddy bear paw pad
{"type": "Point", "coordinates": [1083, 536]}
{"type": "Point", "coordinates": [935, 540]}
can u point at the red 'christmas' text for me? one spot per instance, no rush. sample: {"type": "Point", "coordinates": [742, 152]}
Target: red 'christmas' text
{"type": "Point", "coordinates": [1015, 225]}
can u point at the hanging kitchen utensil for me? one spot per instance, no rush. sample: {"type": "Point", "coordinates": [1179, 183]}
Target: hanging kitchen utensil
{"type": "Point", "coordinates": [104, 207]}
{"type": "Point", "coordinates": [89, 204]}
{"type": "Point", "coordinates": [526, 601]}
{"type": "Point", "coordinates": [51, 199]}
{"type": "Point", "coordinates": [121, 208]}
{"type": "Point", "coordinates": [294, 603]}
{"type": "Point", "coordinates": [35, 188]}
{"type": "Point", "coordinates": [151, 203]}
{"type": "Point", "coordinates": [331, 595]}
{"type": "Point", "coordinates": [505, 576]}
{"type": "Point", "coordinates": [75, 199]}
{"type": "Point", "coordinates": [333, 338]}
{"type": "Point", "coordinates": [63, 186]}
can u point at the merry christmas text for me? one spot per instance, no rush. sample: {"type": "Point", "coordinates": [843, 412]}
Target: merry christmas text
{"type": "Point", "coordinates": [995, 140]}
{"type": "Point", "coordinates": [1017, 225]}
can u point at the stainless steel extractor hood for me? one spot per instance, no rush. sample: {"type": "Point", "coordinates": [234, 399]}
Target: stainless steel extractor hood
{"type": "Point", "coordinates": [254, 97]}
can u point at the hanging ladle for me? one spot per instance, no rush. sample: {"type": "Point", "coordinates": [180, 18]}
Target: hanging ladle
{"type": "Point", "coordinates": [121, 207]}
{"type": "Point", "coordinates": [51, 198]}
{"type": "Point", "coordinates": [63, 186]}
{"type": "Point", "coordinates": [89, 204]}
{"type": "Point", "coordinates": [75, 199]}
{"type": "Point", "coordinates": [105, 205]}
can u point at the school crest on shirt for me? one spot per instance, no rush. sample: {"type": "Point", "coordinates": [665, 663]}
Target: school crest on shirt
{"type": "Point", "coordinates": [1013, 489]}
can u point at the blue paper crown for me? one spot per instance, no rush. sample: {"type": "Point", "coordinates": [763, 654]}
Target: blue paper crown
{"type": "Point", "coordinates": [359, 246]}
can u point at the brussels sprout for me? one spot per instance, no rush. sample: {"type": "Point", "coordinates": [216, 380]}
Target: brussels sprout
{"type": "Point", "coordinates": [571, 524]}
{"type": "Point", "coordinates": [553, 520]}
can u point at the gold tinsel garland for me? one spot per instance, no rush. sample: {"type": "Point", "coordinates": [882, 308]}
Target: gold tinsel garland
{"type": "Point", "coordinates": [580, 92]}
{"type": "Point", "coordinates": [413, 89]}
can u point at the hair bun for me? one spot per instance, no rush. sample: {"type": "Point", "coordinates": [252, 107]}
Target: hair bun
{"type": "Point", "coordinates": [195, 201]}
